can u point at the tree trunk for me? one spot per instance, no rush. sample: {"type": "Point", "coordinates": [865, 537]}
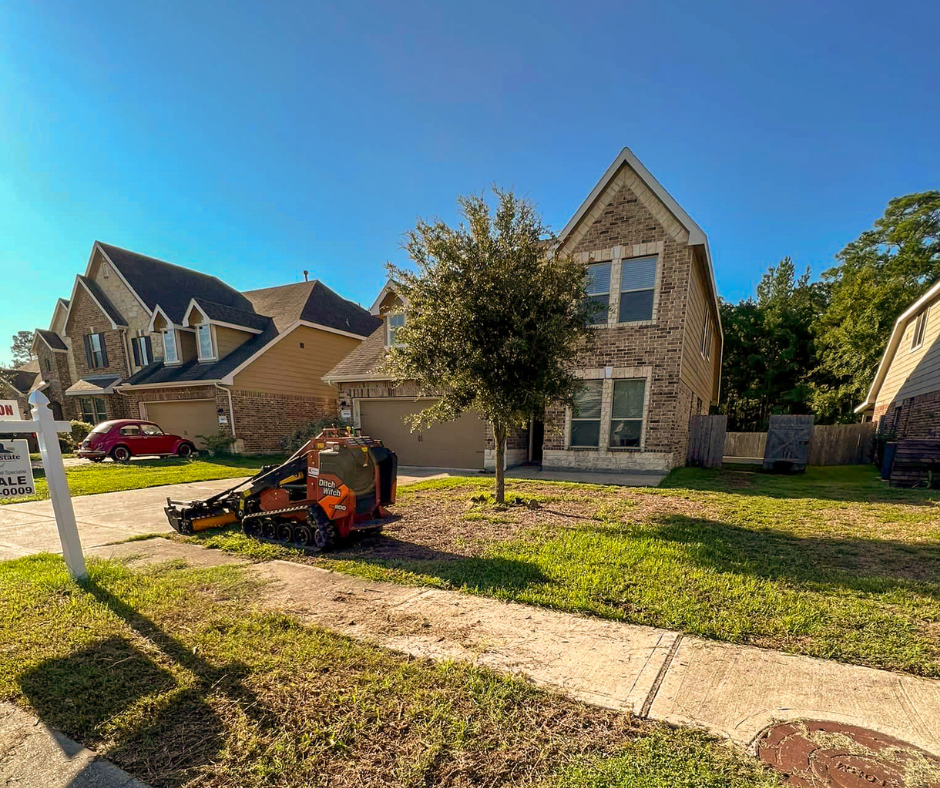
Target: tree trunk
{"type": "Point", "coordinates": [500, 436]}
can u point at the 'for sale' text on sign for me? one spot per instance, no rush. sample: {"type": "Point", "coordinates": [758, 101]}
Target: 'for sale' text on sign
{"type": "Point", "coordinates": [16, 474]}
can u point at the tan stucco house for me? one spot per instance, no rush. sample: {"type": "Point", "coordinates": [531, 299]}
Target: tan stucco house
{"type": "Point", "coordinates": [143, 338]}
{"type": "Point", "coordinates": [904, 398]}
{"type": "Point", "coordinates": [656, 363]}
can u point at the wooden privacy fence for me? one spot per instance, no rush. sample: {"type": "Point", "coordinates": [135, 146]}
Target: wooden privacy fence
{"type": "Point", "coordinates": [706, 441]}
{"type": "Point", "coordinates": [833, 444]}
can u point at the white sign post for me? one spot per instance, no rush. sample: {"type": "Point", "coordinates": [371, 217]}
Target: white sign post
{"type": "Point", "coordinates": [47, 430]}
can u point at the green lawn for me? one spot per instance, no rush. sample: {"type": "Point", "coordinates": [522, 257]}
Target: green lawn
{"type": "Point", "coordinates": [172, 675]}
{"type": "Point", "coordinates": [832, 563]}
{"type": "Point", "coordinates": [89, 479]}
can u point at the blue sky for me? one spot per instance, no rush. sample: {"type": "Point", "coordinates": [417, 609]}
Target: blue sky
{"type": "Point", "coordinates": [256, 140]}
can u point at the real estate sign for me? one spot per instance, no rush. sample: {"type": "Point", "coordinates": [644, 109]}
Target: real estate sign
{"type": "Point", "coordinates": [16, 474]}
{"type": "Point", "coordinates": [9, 410]}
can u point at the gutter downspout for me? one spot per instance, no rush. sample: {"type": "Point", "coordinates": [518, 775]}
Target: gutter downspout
{"type": "Point", "coordinates": [231, 409]}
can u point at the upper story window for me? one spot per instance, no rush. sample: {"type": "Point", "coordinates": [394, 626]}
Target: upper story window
{"type": "Point", "coordinates": [143, 351]}
{"type": "Point", "coordinates": [920, 328]}
{"type": "Point", "coordinates": [204, 340]}
{"type": "Point", "coordinates": [48, 365]}
{"type": "Point", "coordinates": [598, 291]}
{"type": "Point", "coordinates": [707, 337]}
{"type": "Point", "coordinates": [393, 322]}
{"type": "Point", "coordinates": [96, 351]}
{"type": "Point", "coordinates": [170, 352]}
{"type": "Point", "coordinates": [586, 416]}
{"type": "Point", "coordinates": [637, 287]}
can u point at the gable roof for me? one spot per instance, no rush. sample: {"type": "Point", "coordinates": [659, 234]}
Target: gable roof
{"type": "Point", "coordinates": [311, 302]}
{"type": "Point", "coordinates": [697, 235]}
{"type": "Point", "coordinates": [98, 296]}
{"type": "Point", "coordinates": [21, 379]}
{"type": "Point", "coordinates": [222, 313]}
{"type": "Point", "coordinates": [52, 339]}
{"type": "Point", "coordinates": [363, 361]}
{"type": "Point", "coordinates": [894, 342]}
{"type": "Point", "coordinates": [169, 285]}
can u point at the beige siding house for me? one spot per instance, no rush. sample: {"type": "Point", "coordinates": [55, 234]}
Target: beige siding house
{"type": "Point", "coordinates": [143, 338]}
{"type": "Point", "coordinates": [656, 362]}
{"type": "Point", "coordinates": [905, 395]}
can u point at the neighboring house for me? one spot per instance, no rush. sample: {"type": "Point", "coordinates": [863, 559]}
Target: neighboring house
{"type": "Point", "coordinates": [143, 338]}
{"type": "Point", "coordinates": [656, 363]}
{"type": "Point", "coordinates": [905, 395]}
{"type": "Point", "coordinates": [16, 384]}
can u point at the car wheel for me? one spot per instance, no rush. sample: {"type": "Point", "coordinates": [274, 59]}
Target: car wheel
{"type": "Point", "coordinates": [185, 450]}
{"type": "Point", "coordinates": [121, 454]}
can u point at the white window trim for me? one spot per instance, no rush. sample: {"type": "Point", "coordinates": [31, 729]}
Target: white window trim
{"type": "Point", "coordinates": [388, 332]}
{"type": "Point", "coordinates": [96, 355]}
{"type": "Point", "coordinates": [919, 345]}
{"type": "Point", "coordinates": [140, 342]}
{"type": "Point", "coordinates": [655, 288]}
{"type": "Point", "coordinates": [609, 375]}
{"type": "Point", "coordinates": [706, 348]}
{"type": "Point", "coordinates": [176, 347]}
{"type": "Point", "coordinates": [212, 341]}
{"type": "Point", "coordinates": [604, 260]}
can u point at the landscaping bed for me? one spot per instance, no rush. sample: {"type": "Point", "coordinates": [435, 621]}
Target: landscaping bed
{"type": "Point", "coordinates": [171, 674]}
{"type": "Point", "coordinates": [832, 563]}
{"type": "Point", "coordinates": [90, 479]}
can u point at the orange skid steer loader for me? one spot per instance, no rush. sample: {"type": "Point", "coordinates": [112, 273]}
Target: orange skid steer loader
{"type": "Point", "coordinates": [336, 484]}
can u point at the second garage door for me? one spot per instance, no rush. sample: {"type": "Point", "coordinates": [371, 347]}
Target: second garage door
{"type": "Point", "coordinates": [189, 419]}
{"type": "Point", "coordinates": [454, 444]}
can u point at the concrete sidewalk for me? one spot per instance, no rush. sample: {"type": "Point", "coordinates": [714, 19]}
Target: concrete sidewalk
{"type": "Point", "coordinates": [733, 691]}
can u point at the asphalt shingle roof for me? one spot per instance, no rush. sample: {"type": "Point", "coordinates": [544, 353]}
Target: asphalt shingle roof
{"type": "Point", "coordinates": [313, 302]}
{"type": "Point", "coordinates": [364, 359]}
{"type": "Point", "coordinates": [52, 339]}
{"type": "Point", "coordinates": [169, 285]}
{"type": "Point", "coordinates": [99, 295]}
{"type": "Point", "coordinates": [228, 314]}
{"type": "Point", "coordinates": [21, 378]}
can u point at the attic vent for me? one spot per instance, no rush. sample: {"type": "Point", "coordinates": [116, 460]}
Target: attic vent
{"type": "Point", "coordinates": [106, 270]}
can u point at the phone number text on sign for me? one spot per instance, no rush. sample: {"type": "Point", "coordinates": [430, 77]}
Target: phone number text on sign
{"type": "Point", "coordinates": [16, 474]}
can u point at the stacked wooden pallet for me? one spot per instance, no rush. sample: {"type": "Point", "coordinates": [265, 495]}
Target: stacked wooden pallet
{"type": "Point", "coordinates": [915, 462]}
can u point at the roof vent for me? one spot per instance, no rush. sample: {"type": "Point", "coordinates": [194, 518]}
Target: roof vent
{"type": "Point", "coordinates": [306, 276]}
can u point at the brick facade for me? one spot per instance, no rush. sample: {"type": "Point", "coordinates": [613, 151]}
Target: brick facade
{"type": "Point", "coordinates": [916, 418]}
{"type": "Point", "coordinates": [54, 369]}
{"type": "Point", "coordinates": [86, 318]}
{"type": "Point", "coordinates": [620, 227]}
{"type": "Point", "coordinates": [262, 420]}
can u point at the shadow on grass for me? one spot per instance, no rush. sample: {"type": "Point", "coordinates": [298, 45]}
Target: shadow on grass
{"type": "Point", "coordinates": [852, 483]}
{"type": "Point", "coordinates": [175, 734]}
{"type": "Point", "coordinates": [856, 564]}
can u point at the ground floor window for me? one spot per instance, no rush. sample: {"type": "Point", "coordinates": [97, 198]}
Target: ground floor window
{"type": "Point", "coordinates": [608, 414]}
{"type": "Point", "coordinates": [93, 409]}
{"type": "Point", "coordinates": [586, 416]}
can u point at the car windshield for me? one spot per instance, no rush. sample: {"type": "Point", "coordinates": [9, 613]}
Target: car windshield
{"type": "Point", "coordinates": [105, 426]}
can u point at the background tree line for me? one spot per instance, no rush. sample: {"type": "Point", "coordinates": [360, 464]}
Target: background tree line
{"type": "Point", "coordinates": [803, 346]}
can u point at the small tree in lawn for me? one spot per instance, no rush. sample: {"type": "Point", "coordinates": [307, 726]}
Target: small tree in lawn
{"type": "Point", "coordinates": [493, 319]}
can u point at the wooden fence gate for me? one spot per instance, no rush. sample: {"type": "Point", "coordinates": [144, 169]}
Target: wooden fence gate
{"type": "Point", "coordinates": [788, 443]}
{"type": "Point", "coordinates": [707, 441]}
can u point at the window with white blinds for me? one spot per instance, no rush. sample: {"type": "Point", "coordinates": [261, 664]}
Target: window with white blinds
{"type": "Point", "coordinates": [637, 287]}
{"type": "Point", "coordinates": [598, 291]}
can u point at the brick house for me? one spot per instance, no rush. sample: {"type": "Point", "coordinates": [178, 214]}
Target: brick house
{"type": "Point", "coordinates": [656, 363]}
{"type": "Point", "coordinates": [17, 384]}
{"type": "Point", "coordinates": [905, 395]}
{"type": "Point", "coordinates": [143, 338]}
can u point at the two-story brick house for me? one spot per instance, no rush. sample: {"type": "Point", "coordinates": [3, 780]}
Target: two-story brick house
{"type": "Point", "coordinates": [143, 338]}
{"type": "Point", "coordinates": [655, 364]}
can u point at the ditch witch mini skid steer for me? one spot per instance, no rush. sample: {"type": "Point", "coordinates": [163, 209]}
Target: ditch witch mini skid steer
{"type": "Point", "coordinates": [336, 484]}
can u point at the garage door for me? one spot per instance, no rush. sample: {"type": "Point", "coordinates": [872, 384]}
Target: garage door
{"type": "Point", "coordinates": [189, 419]}
{"type": "Point", "coordinates": [455, 444]}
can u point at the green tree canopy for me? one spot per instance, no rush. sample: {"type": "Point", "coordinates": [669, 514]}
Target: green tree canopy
{"type": "Point", "coordinates": [878, 276]}
{"type": "Point", "coordinates": [22, 348]}
{"type": "Point", "coordinates": [493, 320]}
